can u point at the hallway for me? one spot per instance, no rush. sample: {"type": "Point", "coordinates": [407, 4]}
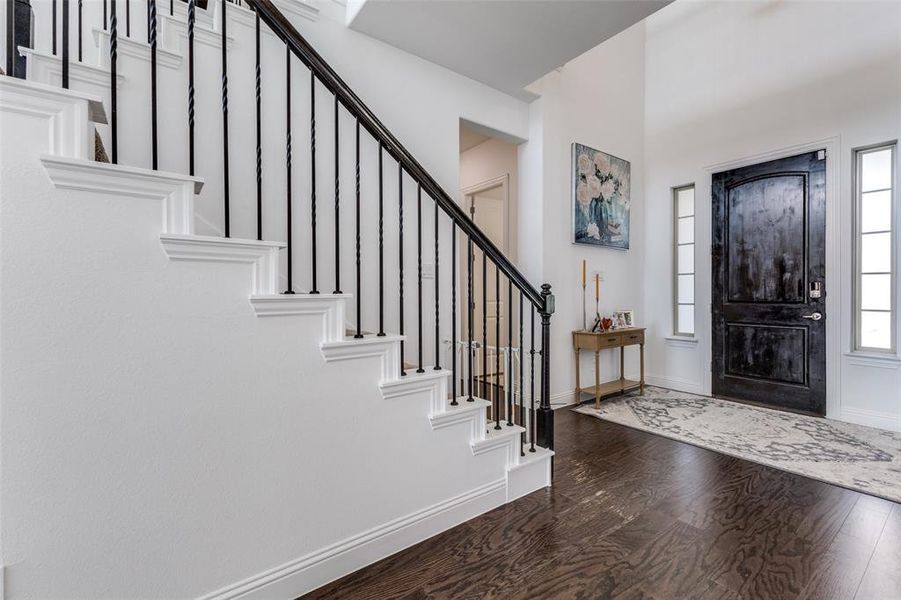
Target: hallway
{"type": "Point", "coordinates": [634, 515]}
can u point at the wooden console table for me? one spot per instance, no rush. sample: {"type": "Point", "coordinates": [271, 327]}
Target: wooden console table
{"type": "Point", "coordinates": [597, 341]}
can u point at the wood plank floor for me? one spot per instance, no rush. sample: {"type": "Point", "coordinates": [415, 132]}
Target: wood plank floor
{"type": "Point", "coordinates": [634, 515]}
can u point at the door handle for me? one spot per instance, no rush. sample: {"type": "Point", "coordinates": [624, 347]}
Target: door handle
{"type": "Point", "coordinates": [814, 317]}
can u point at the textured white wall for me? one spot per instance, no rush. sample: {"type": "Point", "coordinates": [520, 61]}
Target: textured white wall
{"type": "Point", "coordinates": [726, 81]}
{"type": "Point", "coordinates": [596, 100]}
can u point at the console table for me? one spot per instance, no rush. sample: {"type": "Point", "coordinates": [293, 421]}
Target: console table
{"type": "Point", "coordinates": [597, 341]}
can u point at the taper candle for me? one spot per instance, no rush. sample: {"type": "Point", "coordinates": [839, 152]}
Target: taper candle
{"type": "Point", "coordinates": [584, 272]}
{"type": "Point", "coordinates": [597, 286]}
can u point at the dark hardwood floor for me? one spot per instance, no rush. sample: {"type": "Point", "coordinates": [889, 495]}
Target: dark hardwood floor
{"type": "Point", "coordinates": [634, 515]}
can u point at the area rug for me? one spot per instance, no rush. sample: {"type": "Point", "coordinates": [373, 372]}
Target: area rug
{"type": "Point", "coordinates": [853, 456]}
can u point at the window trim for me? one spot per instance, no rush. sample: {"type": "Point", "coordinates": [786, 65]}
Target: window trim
{"type": "Point", "coordinates": [675, 246]}
{"type": "Point", "coordinates": [857, 274]}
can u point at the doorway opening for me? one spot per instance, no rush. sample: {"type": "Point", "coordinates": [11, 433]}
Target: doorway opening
{"type": "Point", "coordinates": [488, 174]}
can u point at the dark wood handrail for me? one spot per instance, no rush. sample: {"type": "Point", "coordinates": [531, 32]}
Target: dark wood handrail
{"type": "Point", "coordinates": [283, 28]}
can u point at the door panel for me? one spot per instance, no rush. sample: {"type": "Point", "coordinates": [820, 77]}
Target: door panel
{"type": "Point", "coordinates": [769, 228]}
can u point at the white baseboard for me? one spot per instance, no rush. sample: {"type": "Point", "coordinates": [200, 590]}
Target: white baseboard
{"type": "Point", "coordinates": [872, 418]}
{"type": "Point", "coordinates": [675, 383]}
{"type": "Point", "coordinates": [314, 570]}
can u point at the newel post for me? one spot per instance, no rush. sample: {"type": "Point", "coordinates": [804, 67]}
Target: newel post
{"type": "Point", "coordinates": [545, 413]}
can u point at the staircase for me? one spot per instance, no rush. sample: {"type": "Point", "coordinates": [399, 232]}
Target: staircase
{"type": "Point", "coordinates": [238, 356]}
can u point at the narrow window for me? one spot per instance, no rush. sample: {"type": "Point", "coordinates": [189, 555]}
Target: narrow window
{"type": "Point", "coordinates": [684, 260]}
{"type": "Point", "coordinates": [874, 282]}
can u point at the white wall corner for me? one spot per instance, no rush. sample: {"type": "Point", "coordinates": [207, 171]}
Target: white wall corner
{"type": "Point", "coordinates": [69, 114]}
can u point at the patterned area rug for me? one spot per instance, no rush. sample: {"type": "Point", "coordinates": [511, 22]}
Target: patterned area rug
{"type": "Point", "coordinates": [852, 456]}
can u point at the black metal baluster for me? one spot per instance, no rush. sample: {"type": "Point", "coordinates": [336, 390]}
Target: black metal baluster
{"type": "Point", "coordinates": [419, 271]}
{"type": "Point", "coordinates": [315, 289]}
{"type": "Point", "coordinates": [289, 218]}
{"type": "Point", "coordinates": [484, 374]}
{"type": "Point", "coordinates": [508, 368]}
{"type": "Point", "coordinates": [337, 207]}
{"type": "Point", "coordinates": [65, 41]}
{"type": "Point", "coordinates": [497, 347]}
{"type": "Point", "coordinates": [113, 59]}
{"type": "Point", "coordinates": [78, 24]}
{"type": "Point", "coordinates": [105, 19]}
{"type": "Point", "coordinates": [258, 88]}
{"type": "Point", "coordinates": [522, 352]}
{"type": "Point", "coordinates": [359, 333]}
{"type": "Point", "coordinates": [11, 36]}
{"type": "Point", "coordinates": [191, 18]}
{"type": "Point", "coordinates": [154, 159]}
{"type": "Point", "coordinates": [225, 186]}
{"type": "Point", "coordinates": [171, 7]}
{"type": "Point", "coordinates": [127, 18]}
{"type": "Point", "coordinates": [381, 247]}
{"type": "Point", "coordinates": [453, 314]}
{"type": "Point", "coordinates": [52, 29]}
{"type": "Point", "coordinates": [437, 366]}
{"type": "Point", "coordinates": [547, 414]}
{"type": "Point", "coordinates": [470, 316]}
{"type": "Point", "coordinates": [400, 254]}
{"type": "Point", "coordinates": [532, 383]}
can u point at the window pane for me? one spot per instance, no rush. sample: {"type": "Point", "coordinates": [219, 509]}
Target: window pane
{"type": "Point", "coordinates": [686, 262]}
{"type": "Point", "coordinates": [875, 330]}
{"type": "Point", "coordinates": [876, 253]}
{"type": "Point", "coordinates": [686, 292]}
{"type": "Point", "coordinates": [686, 230]}
{"type": "Point", "coordinates": [876, 211]}
{"type": "Point", "coordinates": [685, 199]}
{"type": "Point", "coordinates": [876, 292]}
{"type": "Point", "coordinates": [685, 314]}
{"type": "Point", "coordinates": [876, 170]}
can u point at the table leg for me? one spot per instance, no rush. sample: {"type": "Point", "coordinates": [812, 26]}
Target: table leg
{"type": "Point", "coordinates": [597, 379]}
{"type": "Point", "coordinates": [578, 390]}
{"type": "Point", "coordinates": [641, 382]}
{"type": "Point", "coordinates": [622, 370]}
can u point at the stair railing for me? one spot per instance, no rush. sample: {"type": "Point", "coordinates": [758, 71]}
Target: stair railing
{"type": "Point", "coordinates": [480, 252]}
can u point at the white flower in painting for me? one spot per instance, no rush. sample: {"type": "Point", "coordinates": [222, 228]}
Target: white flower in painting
{"type": "Point", "coordinates": [583, 195]}
{"type": "Point", "coordinates": [593, 231]}
{"type": "Point", "coordinates": [584, 164]}
{"type": "Point", "coordinates": [619, 171]}
{"type": "Point", "coordinates": [594, 186]}
{"type": "Point", "coordinates": [607, 189]}
{"type": "Point", "coordinates": [602, 163]}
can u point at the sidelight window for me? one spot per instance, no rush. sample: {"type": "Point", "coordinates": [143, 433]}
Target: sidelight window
{"type": "Point", "coordinates": [875, 188]}
{"type": "Point", "coordinates": [684, 260]}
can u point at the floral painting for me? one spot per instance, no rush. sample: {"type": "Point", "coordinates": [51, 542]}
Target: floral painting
{"type": "Point", "coordinates": [601, 198]}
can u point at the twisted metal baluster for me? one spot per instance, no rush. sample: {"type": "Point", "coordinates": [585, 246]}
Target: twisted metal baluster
{"type": "Point", "coordinates": [315, 289]}
{"type": "Point", "coordinates": [337, 207]}
{"type": "Point", "coordinates": [154, 157]}
{"type": "Point", "coordinates": [225, 186]}
{"type": "Point", "coordinates": [508, 368]}
{"type": "Point", "coordinates": [437, 366]}
{"type": "Point", "coordinates": [258, 83]}
{"type": "Point", "coordinates": [191, 19]}
{"type": "Point", "coordinates": [400, 254]}
{"type": "Point", "coordinates": [419, 271]}
{"type": "Point", "coordinates": [288, 157]}
{"type": "Point", "coordinates": [381, 332]}
{"type": "Point", "coordinates": [113, 58]}
{"type": "Point", "coordinates": [532, 380]}
{"type": "Point", "coordinates": [453, 313]}
{"type": "Point", "coordinates": [470, 312]}
{"type": "Point", "coordinates": [359, 333]}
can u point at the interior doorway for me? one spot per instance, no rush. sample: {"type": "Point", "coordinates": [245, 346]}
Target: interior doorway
{"type": "Point", "coordinates": [488, 173]}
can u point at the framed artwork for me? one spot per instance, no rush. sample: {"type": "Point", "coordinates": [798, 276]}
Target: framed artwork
{"type": "Point", "coordinates": [601, 191]}
{"type": "Point", "coordinates": [624, 319]}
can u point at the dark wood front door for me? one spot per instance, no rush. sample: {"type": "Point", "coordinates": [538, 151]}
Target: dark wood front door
{"type": "Point", "coordinates": [769, 283]}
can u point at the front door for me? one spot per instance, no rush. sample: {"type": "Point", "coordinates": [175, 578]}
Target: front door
{"type": "Point", "coordinates": [769, 283]}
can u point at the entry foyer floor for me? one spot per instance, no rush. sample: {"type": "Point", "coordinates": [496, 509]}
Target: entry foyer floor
{"type": "Point", "coordinates": [634, 515]}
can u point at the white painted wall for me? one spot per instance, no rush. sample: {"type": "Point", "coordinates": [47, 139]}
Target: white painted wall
{"type": "Point", "coordinates": [731, 81]}
{"type": "Point", "coordinates": [596, 100]}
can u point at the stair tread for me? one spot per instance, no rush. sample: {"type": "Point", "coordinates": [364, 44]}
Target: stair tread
{"type": "Point", "coordinates": [222, 240]}
{"type": "Point", "coordinates": [366, 339]}
{"type": "Point", "coordinates": [128, 170]}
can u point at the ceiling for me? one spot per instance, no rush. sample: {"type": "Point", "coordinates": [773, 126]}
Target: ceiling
{"type": "Point", "coordinates": [506, 44]}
